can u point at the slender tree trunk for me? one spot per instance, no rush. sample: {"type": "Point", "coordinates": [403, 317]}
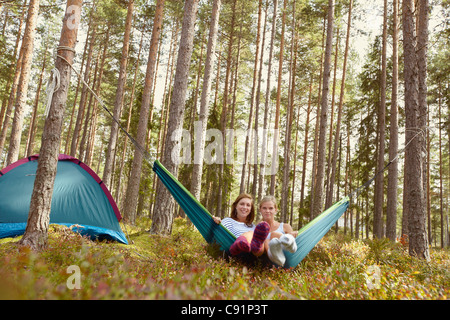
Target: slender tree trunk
{"type": "Point", "coordinates": [316, 129]}
{"type": "Point", "coordinates": [36, 232]}
{"type": "Point", "coordinates": [257, 112]}
{"type": "Point", "coordinates": [252, 102]}
{"type": "Point", "coordinates": [165, 204]}
{"type": "Point", "coordinates": [93, 121]}
{"type": "Point", "coordinates": [441, 193]}
{"type": "Point", "coordinates": [266, 106]}
{"type": "Point", "coordinates": [11, 86]}
{"type": "Point", "coordinates": [341, 102]}
{"type": "Point", "coordinates": [391, 211]}
{"type": "Point", "coordinates": [22, 89]}
{"type": "Point", "coordinates": [223, 117]}
{"type": "Point", "coordinates": [110, 153]}
{"type": "Point", "coordinates": [69, 131]}
{"type": "Point", "coordinates": [87, 116]}
{"type": "Point", "coordinates": [289, 122]}
{"type": "Point", "coordinates": [422, 51]}
{"type": "Point", "coordinates": [33, 125]}
{"type": "Point", "coordinates": [200, 135]}
{"type": "Point", "coordinates": [379, 180]}
{"type": "Point", "coordinates": [130, 113]}
{"type": "Point", "coordinates": [305, 144]}
{"type": "Point", "coordinates": [318, 193]}
{"type": "Point", "coordinates": [131, 197]}
{"type": "Point", "coordinates": [277, 106]}
{"type": "Point", "coordinates": [294, 178]}
{"type": "Point", "coordinates": [327, 190]}
{"type": "Point", "coordinates": [84, 91]}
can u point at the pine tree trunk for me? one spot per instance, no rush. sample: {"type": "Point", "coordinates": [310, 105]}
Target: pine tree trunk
{"type": "Point", "coordinates": [200, 134]}
{"type": "Point", "coordinates": [84, 92]}
{"type": "Point", "coordinates": [223, 117]}
{"type": "Point", "coordinates": [276, 135]}
{"type": "Point", "coordinates": [316, 129]}
{"type": "Point", "coordinates": [289, 121]}
{"type": "Point", "coordinates": [118, 102]}
{"type": "Point", "coordinates": [93, 121]}
{"type": "Point", "coordinates": [83, 62]}
{"type": "Point", "coordinates": [414, 205]}
{"type": "Point", "coordinates": [22, 88]}
{"type": "Point", "coordinates": [305, 145]}
{"type": "Point", "coordinates": [441, 169]}
{"type": "Point", "coordinates": [266, 106]}
{"type": "Point", "coordinates": [11, 86]}
{"type": "Point", "coordinates": [391, 210]}
{"type": "Point", "coordinates": [130, 113]}
{"type": "Point", "coordinates": [131, 197]}
{"type": "Point", "coordinates": [164, 203]}
{"type": "Point", "coordinates": [379, 180]}
{"type": "Point", "coordinates": [33, 125]}
{"type": "Point", "coordinates": [12, 97]}
{"type": "Point", "coordinates": [252, 102]}
{"type": "Point", "coordinates": [318, 193]}
{"type": "Point", "coordinates": [257, 112]}
{"type": "Point", "coordinates": [341, 102]}
{"type": "Point", "coordinates": [327, 186]}
{"type": "Point", "coordinates": [36, 232]}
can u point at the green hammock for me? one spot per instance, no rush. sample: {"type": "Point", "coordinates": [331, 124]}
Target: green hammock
{"type": "Point", "coordinates": [307, 237]}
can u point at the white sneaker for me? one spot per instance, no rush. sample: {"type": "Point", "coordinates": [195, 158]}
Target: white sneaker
{"type": "Point", "coordinates": [288, 243]}
{"type": "Point", "coordinates": [275, 252]}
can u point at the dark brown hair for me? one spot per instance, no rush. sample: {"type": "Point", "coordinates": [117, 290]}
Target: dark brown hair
{"type": "Point", "coordinates": [251, 215]}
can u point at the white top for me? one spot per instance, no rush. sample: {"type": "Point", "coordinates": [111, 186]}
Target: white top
{"type": "Point", "coordinates": [279, 230]}
{"type": "Point", "coordinates": [235, 227]}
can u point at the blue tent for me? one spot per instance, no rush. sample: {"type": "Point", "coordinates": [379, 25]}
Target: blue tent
{"type": "Point", "coordinates": [80, 200]}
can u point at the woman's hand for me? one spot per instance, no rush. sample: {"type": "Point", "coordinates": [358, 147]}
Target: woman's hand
{"type": "Point", "coordinates": [217, 220]}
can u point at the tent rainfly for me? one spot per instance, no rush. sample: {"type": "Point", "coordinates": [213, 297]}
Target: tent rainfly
{"type": "Point", "coordinates": [80, 200]}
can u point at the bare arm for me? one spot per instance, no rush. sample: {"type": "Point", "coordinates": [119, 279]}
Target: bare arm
{"type": "Point", "coordinates": [288, 230]}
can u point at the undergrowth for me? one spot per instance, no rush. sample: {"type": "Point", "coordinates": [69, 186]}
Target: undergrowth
{"type": "Point", "coordinates": [183, 266]}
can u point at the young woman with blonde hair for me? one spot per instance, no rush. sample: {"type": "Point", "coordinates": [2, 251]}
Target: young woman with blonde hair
{"type": "Point", "coordinates": [281, 236]}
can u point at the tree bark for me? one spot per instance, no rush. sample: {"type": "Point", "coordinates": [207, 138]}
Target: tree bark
{"type": "Point", "coordinates": [200, 135]}
{"type": "Point", "coordinates": [391, 211]}
{"type": "Point", "coordinates": [131, 197]}
{"type": "Point", "coordinates": [341, 102]}
{"type": "Point", "coordinates": [414, 205]}
{"type": "Point", "coordinates": [165, 204]}
{"type": "Point", "coordinates": [318, 193]}
{"type": "Point", "coordinates": [84, 91]}
{"type": "Point", "coordinates": [276, 135]}
{"type": "Point", "coordinates": [11, 86]}
{"type": "Point", "coordinates": [33, 125]}
{"type": "Point", "coordinates": [36, 232]}
{"type": "Point", "coordinates": [22, 89]}
{"type": "Point", "coordinates": [223, 117]}
{"type": "Point", "coordinates": [253, 104]}
{"type": "Point", "coordinates": [266, 106]}
{"type": "Point", "coordinates": [379, 180]}
{"type": "Point", "coordinates": [110, 153]}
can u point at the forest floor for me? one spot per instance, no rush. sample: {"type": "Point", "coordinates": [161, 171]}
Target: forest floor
{"type": "Point", "coordinates": [183, 266]}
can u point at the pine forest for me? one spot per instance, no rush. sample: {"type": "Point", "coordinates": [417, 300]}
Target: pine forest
{"type": "Point", "coordinates": [306, 100]}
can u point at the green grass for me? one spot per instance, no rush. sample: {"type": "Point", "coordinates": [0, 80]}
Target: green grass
{"type": "Point", "coordinates": [182, 266]}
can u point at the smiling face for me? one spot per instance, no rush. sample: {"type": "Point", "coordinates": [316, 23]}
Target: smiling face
{"type": "Point", "coordinates": [242, 209]}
